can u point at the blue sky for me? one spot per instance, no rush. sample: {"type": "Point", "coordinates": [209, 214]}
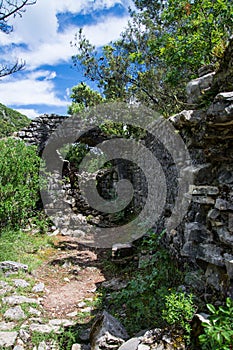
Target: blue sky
{"type": "Point", "coordinates": [42, 38]}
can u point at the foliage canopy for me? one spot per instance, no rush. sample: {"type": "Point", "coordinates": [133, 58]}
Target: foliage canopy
{"type": "Point", "coordinates": [164, 45]}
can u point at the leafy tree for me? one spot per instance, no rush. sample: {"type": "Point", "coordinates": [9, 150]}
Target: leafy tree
{"type": "Point", "coordinates": [162, 48]}
{"type": "Point", "coordinates": [9, 8]}
{"type": "Point", "coordinates": [19, 181]}
{"type": "Point", "coordinates": [83, 97]}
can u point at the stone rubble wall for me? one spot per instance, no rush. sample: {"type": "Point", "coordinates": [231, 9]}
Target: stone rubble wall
{"type": "Point", "coordinates": [206, 235]}
{"type": "Point", "coordinates": [39, 130]}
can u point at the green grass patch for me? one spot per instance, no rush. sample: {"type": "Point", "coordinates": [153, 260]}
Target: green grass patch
{"type": "Point", "coordinates": [17, 245]}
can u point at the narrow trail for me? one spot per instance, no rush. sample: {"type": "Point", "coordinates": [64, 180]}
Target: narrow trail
{"type": "Point", "coordinates": [70, 276]}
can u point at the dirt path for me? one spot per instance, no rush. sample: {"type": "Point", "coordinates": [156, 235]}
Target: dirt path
{"type": "Point", "coordinates": [70, 276]}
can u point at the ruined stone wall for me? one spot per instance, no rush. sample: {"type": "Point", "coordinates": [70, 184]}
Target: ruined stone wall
{"type": "Point", "coordinates": [39, 130]}
{"type": "Point", "coordinates": [206, 235]}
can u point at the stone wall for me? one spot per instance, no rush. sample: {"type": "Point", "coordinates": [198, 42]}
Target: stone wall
{"type": "Point", "coordinates": [205, 237]}
{"type": "Point", "coordinates": [39, 130]}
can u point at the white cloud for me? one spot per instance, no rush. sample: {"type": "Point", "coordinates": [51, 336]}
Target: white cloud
{"type": "Point", "coordinates": [30, 91]}
{"type": "Point", "coordinates": [29, 112]}
{"type": "Point", "coordinates": [36, 40]}
{"type": "Point", "coordinates": [60, 50]}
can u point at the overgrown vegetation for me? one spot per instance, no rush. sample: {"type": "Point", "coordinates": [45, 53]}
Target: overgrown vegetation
{"type": "Point", "coordinates": [142, 304]}
{"type": "Point", "coordinates": [164, 45]}
{"type": "Point", "coordinates": [19, 182]}
{"type": "Point", "coordinates": [218, 332]}
{"type": "Point", "coordinates": [11, 120]}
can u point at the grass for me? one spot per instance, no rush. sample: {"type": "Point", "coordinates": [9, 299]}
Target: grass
{"type": "Point", "coordinates": [23, 247]}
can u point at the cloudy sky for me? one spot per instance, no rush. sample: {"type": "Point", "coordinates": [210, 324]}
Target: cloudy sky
{"type": "Point", "coordinates": [42, 38]}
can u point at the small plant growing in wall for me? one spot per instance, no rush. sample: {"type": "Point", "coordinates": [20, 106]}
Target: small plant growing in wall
{"type": "Point", "coordinates": [179, 311]}
{"type": "Point", "coordinates": [218, 332]}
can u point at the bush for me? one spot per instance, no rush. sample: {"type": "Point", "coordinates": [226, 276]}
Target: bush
{"type": "Point", "coordinates": [19, 181]}
{"type": "Point", "coordinates": [179, 311]}
{"type": "Point", "coordinates": [144, 296]}
{"type": "Point", "coordinates": [218, 332]}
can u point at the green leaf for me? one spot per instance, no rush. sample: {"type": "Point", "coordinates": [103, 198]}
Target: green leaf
{"type": "Point", "coordinates": [211, 308]}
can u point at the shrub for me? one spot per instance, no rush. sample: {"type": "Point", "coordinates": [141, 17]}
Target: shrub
{"type": "Point", "coordinates": [144, 296]}
{"type": "Point", "coordinates": [19, 181]}
{"type": "Point", "coordinates": [218, 332]}
{"type": "Point", "coordinates": [179, 311]}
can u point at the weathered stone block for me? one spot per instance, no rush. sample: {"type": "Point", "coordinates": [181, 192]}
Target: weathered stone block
{"type": "Point", "coordinates": [204, 190]}
{"type": "Point", "coordinates": [213, 214]}
{"type": "Point", "coordinates": [225, 236]}
{"type": "Point", "coordinates": [215, 276]}
{"type": "Point", "coordinates": [122, 250]}
{"type": "Point", "coordinates": [222, 204]}
{"type": "Point", "coordinates": [107, 330]}
{"type": "Point", "coordinates": [229, 265]}
{"type": "Point", "coordinates": [195, 231]}
{"type": "Point", "coordinates": [196, 87]}
{"type": "Point", "coordinates": [210, 253]}
{"type": "Point", "coordinates": [7, 339]}
{"type": "Point", "coordinates": [12, 266]}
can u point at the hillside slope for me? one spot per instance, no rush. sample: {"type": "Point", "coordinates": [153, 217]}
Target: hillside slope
{"type": "Point", "coordinates": [11, 120]}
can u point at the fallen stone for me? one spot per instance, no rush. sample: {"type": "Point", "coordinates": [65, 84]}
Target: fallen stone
{"type": "Point", "coordinates": [107, 330]}
{"type": "Point", "coordinates": [143, 347]}
{"type": "Point", "coordinates": [61, 322]}
{"type": "Point", "coordinates": [76, 347]}
{"type": "Point", "coordinates": [213, 214]}
{"type": "Point", "coordinates": [204, 190]}
{"type": "Point", "coordinates": [42, 346]}
{"type": "Point", "coordinates": [72, 314]}
{"type": "Point", "coordinates": [81, 304]}
{"type": "Point", "coordinates": [24, 335]}
{"type": "Point", "coordinates": [222, 204]}
{"type": "Point", "coordinates": [7, 339]}
{"type": "Point", "coordinates": [34, 311]}
{"type": "Point", "coordinates": [21, 283]}
{"type": "Point", "coordinates": [7, 326]}
{"type": "Point", "coordinates": [43, 328]}
{"type": "Point", "coordinates": [38, 288]}
{"type": "Point", "coordinates": [19, 299]}
{"type": "Point", "coordinates": [204, 200]}
{"type": "Point", "coordinates": [220, 111]}
{"type": "Point", "coordinates": [131, 344]}
{"type": "Point", "coordinates": [15, 313]}
{"type": "Point", "coordinates": [12, 266]}
{"type": "Point", "coordinates": [208, 68]}
{"type": "Point", "coordinates": [5, 290]}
